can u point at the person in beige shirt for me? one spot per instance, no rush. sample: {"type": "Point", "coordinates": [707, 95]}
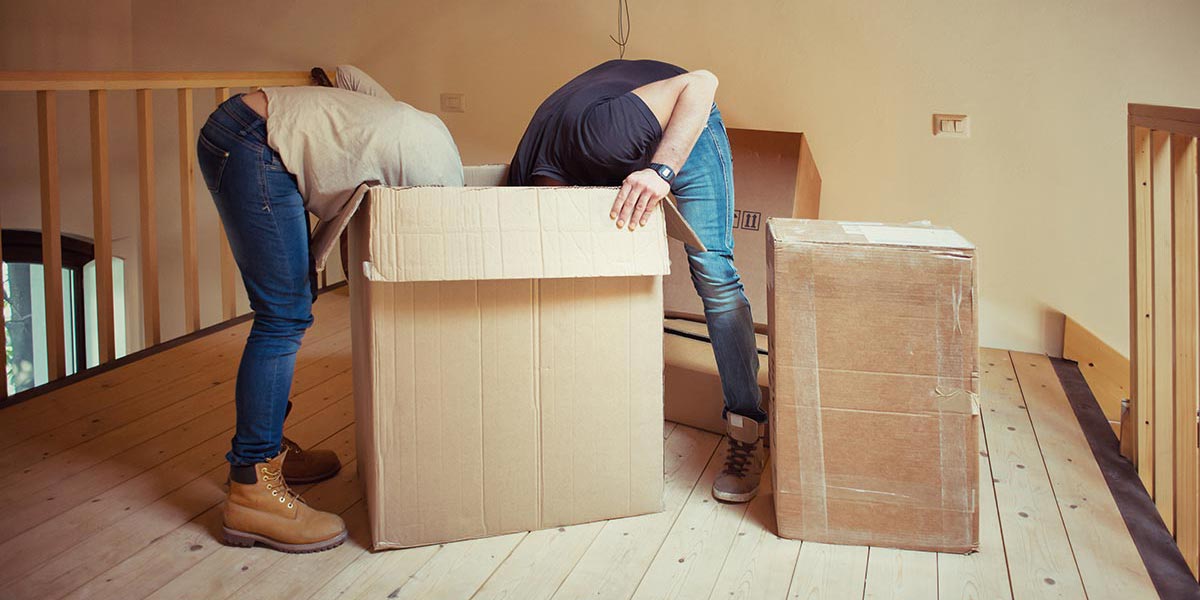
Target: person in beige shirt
{"type": "Point", "coordinates": [270, 158]}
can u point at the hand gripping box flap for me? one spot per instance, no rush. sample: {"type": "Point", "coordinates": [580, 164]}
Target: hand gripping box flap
{"type": "Point", "coordinates": [479, 233]}
{"type": "Point", "coordinates": [874, 380]}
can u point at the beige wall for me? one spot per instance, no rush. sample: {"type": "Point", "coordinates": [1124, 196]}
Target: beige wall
{"type": "Point", "coordinates": [1040, 185]}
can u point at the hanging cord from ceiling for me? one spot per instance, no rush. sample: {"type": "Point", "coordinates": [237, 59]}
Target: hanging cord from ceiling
{"type": "Point", "coordinates": [623, 25]}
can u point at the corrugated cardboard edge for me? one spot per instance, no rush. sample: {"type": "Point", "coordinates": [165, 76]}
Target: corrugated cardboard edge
{"type": "Point", "coordinates": [362, 343]}
{"type": "Point", "coordinates": [383, 545]}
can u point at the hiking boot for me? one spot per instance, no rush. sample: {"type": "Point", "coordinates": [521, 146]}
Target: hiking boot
{"type": "Point", "coordinates": [262, 509]}
{"type": "Point", "coordinates": [308, 466]}
{"type": "Point", "coordinates": [744, 461]}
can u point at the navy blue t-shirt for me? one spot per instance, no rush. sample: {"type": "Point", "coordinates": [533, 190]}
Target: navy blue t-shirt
{"type": "Point", "coordinates": [594, 130]}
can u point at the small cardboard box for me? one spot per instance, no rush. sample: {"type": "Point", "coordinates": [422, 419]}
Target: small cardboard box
{"type": "Point", "coordinates": [691, 385]}
{"type": "Point", "coordinates": [507, 361]}
{"type": "Point", "coordinates": [774, 176]}
{"type": "Point", "coordinates": [874, 380]}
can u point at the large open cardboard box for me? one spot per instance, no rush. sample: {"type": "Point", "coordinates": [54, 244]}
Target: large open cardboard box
{"type": "Point", "coordinates": [874, 384]}
{"type": "Point", "coordinates": [507, 360]}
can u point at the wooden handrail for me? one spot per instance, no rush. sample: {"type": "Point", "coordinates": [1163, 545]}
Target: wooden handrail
{"type": "Point", "coordinates": [47, 85]}
{"type": "Point", "coordinates": [1168, 119]}
{"type": "Point", "coordinates": [35, 81]}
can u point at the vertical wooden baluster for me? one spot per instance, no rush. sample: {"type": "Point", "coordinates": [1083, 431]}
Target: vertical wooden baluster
{"type": "Point", "coordinates": [228, 266]}
{"type": "Point", "coordinates": [1142, 304]}
{"type": "Point", "coordinates": [187, 213]}
{"type": "Point", "coordinates": [1164, 313]}
{"type": "Point", "coordinates": [51, 236]}
{"type": "Point", "coordinates": [147, 232]}
{"type": "Point", "coordinates": [1186, 368]}
{"type": "Point", "coordinates": [102, 227]}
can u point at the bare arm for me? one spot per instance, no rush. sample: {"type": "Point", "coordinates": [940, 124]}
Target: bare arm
{"type": "Point", "coordinates": [681, 104]}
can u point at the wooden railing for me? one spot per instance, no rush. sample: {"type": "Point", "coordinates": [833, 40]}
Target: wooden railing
{"type": "Point", "coordinates": [46, 86]}
{"type": "Point", "coordinates": [1163, 195]}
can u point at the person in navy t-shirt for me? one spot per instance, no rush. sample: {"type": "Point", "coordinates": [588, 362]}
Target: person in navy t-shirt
{"type": "Point", "coordinates": [653, 128]}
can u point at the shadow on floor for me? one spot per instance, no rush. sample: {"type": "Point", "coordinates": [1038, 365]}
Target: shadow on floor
{"type": "Point", "coordinates": [1166, 566]}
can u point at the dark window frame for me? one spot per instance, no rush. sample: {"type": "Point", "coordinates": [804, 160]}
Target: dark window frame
{"type": "Point", "coordinates": [23, 246]}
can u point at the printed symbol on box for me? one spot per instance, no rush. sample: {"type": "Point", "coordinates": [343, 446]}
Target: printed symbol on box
{"type": "Point", "coordinates": [737, 219]}
{"type": "Point", "coordinates": [750, 220]}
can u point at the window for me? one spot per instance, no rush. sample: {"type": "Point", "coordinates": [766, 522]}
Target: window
{"type": "Point", "coordinates": [25, 310]}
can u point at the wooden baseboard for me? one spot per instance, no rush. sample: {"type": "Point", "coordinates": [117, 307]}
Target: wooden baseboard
{"type": "Point", "coordinates": [1105, 369]}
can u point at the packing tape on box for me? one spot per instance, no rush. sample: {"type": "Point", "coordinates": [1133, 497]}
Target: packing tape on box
{"type": "Point", "coordinates": [809, 418]}
{"type": "Point", "coordinates": [942, 393]}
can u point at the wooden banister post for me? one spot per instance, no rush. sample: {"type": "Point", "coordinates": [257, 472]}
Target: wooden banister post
{"type": "Point", "coordinates": [1164, 316]}
{"type": "Point", "coordinates": [1142, 304]}
{"type": "Point", "coordinates": [147, 231]}
{"type": "Point", "coordinates": [1186, 370]}
{"type": "Point", "coordinates": [102, 227]}
{"type": "Point", "coordinates": [187, 213]}
{"type": "Point", "coordinates": [51, 235]}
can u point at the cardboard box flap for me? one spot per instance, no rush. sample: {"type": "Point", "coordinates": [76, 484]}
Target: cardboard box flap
{"type": "Point", "coordinates": [326, 233]}
{"type": "Point", "coordinates": [443, 234]}
{"type": "Point", "coordinates": [787, 231]}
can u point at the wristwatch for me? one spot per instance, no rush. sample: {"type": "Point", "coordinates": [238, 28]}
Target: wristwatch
{"type": "Point", "coordinates": [667, 173]}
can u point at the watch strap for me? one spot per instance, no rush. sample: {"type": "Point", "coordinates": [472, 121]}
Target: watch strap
{"type": "Point", "coordinates": [664, 171]}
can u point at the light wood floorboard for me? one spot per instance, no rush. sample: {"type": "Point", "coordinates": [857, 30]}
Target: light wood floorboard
{"type": "Point", "coordinates": [131, 509]}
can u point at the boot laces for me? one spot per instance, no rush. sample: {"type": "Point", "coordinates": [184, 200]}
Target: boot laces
{"type": "Point", "coordinates": [279, 488]}
{"type": "Point", "coordinates": [739, 457]}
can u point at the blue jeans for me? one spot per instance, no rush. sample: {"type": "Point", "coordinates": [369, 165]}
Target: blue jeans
{"type": "Point", "coordinates": [267, 226]}
{"type": "Point", "coordinates": [704, 190]}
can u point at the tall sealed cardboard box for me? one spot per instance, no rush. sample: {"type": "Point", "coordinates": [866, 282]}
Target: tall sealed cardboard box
{"type": "Point", "coordinates": [874, 380]}
{"type": "Point", "coordinates": [507, 361]}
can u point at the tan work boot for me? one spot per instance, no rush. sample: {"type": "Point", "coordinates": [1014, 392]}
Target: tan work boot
{"type": "Point", "coordinates": [261, 509]}
{"type": "Point", "coordinates": [744, 461]}
{"type": "Point", "coordinates": [308, 466]}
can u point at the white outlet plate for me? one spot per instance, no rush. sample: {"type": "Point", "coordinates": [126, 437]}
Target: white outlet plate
{"type": "Point", "coordinates": [951, 125]}
{"type": "Point", "coordinates": [454, 102]}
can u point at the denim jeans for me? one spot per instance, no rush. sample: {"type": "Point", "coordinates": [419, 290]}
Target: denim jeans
{"type": "Point", "coordinates": [264, 218]}
{"type": "Point", "coordinates": [704, 190]}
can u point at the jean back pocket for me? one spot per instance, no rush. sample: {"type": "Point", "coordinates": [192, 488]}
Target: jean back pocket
{"type": "Point", "coordinates": [212, 161]}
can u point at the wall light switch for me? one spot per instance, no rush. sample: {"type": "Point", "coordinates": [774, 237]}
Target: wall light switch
{"type": "Point", "coordinates": [947, 125]}
{"type": "Point", "coordinates": [454, 103]}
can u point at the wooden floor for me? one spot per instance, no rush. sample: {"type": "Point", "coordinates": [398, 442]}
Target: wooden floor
{"type": "Point", "coordinates": [111, 488]}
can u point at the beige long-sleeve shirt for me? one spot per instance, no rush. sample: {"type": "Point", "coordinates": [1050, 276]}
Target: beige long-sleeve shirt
{"type": "Point", "coordinates": [333, 139]}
